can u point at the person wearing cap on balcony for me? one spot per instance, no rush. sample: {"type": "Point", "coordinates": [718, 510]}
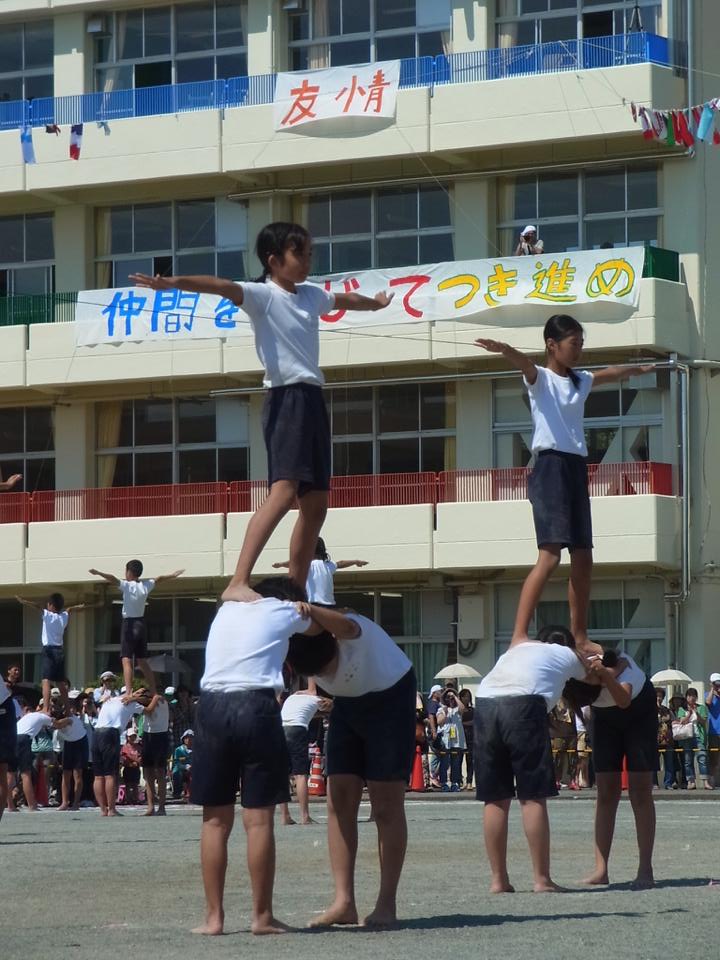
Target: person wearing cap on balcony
{"type": "Point", "coordinates": [712, 702]}
{"type": "Point", "coordinates": [528, 243]}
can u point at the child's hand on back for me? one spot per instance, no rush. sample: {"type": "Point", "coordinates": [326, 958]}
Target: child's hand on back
{"type": "Point", "coordinates": [304, 609]}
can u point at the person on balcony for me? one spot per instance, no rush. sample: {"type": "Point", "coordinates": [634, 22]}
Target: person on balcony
{"type": "Point", "coordinates": [320, 587]}
{"type": "Point", "coordinates": [528, 243]}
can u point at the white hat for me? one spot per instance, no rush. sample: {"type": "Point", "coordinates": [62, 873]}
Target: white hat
{"type": "Point", "coordinates": [188, 733]}
{"type": "Point", "coordinates": [74, 694]}
{"type": "Point", "coordinates": [169, 691]}
{"type": "Point", "coordinates": [55, 692]}
{"type": "Point", "coordinates": [436, 688]}
{"type": "Point", "coordinates": [123, 689]}
{"type": "Point", "coordinates": [529, 229]}
{"type": "Point", "coordinates": [715, 678]}
{"type": "Point", "coordinates": [132, 732]}
{"type": "Point", "coordinates": [108, 675]}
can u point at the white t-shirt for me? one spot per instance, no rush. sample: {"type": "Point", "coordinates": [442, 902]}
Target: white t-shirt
{"type": "Point", "coordinates": [135, 594]}
{"type": "Point", "coordinates": [159, 720]}
{"type": "Point", "coordinates": [287, 330]}
{"type": "Point", "coordinates": [248, 643]}
{"type": "Point", "coordinates": [368, 663]}
{"type": "Point", "coordinates": [320, 587]}
{"type": "Point", "coordinates": [632, 674]}
{"type": "Point", "coordinates": [115, 713]}
{"type": "Point", "coordinates": [53, 627]}
{"type": "Point", "coordinates": [557, 409]}
{"type": "Point", "coordinates": [74, 731]}
{"type": "Point", "coordinates": [299, 709]}
{"type": "Point", "coordinates": [453, 734]}
{"type": "Point", "coordinates": [100, 694]}
{"type": "Point", "coordinates": [532, 669]}
{"type": "Point", "coordinates": [31, 724]}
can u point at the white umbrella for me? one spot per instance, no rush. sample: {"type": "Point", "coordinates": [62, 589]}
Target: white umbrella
{"type": "Point", "coordinates": [670, 677]}
{"type": "Point", "coordinates": [456, 671]}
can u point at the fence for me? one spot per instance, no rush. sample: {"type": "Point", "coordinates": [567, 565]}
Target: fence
{"type": "Point", "coordinates": [480, 65]}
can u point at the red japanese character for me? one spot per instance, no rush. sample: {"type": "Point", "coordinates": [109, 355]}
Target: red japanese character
{"type": "Point", "coordinates": [348, 287]}
{"type": "Point", "coordinates": [305, 99]}
{"type": "Point", "coordinates": [375, 91]}
{"type": "Point", "coordinates": [354, 89]}
{"type": "Point", "coordinates": [417, 281]}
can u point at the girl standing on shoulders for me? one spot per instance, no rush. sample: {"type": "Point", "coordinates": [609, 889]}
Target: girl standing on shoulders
{"type": "Point", "coordinates": [558, 482]}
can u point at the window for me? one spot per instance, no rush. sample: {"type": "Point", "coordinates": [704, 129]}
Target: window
{"type": "Point", "coordinates": [27, 446]}
{"type": "Point", "coordinates": [177, 626]}
{"type": "Point", "coordinates": [334, 33]}
{"type": "Point", "coordinates": [628, 615]}
{"type": "Point", "coordinates": [185, 237]}
{"type": "Point", "coordinates": [613, 206]}
{"type": "Point", "coordinates": [543, 21]}
{"type": "Point", "coordinates": [402, 428]}
{"type": "Point", "coordinates": [178, 44]}
{"type": "Point", "coordinates": [26, 60]}
{"type": "Point", "coordinates": [189, 440]}
{"type": "Point", "coordinates": [388, 227]}
{"type": "Point", "coordinates": [623, 422]}
{"type": "Point", "coordinates": [27, 252]}
{"type": "Point", "coordinates": [419, 620]}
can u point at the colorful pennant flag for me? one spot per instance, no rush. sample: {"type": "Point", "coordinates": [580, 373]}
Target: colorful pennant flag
{"type": "Point", "coordinates": [76, 135]}
{"type": "Point", "coordinates": [679, 127]}
{"type": "Point", "coordinates": [26, 145]}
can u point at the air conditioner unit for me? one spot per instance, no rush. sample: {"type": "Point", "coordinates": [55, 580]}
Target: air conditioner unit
{"type": "Point", "coordinates": [97, 26]}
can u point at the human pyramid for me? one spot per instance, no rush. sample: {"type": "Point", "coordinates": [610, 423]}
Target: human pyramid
{"type": "Point", "coordinates": [239, 738]}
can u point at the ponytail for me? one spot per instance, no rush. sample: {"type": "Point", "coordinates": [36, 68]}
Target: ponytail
{"type": "Point", "coordinates": [275, 239]}
{"type": "Point", "coordinates": [559, 327]}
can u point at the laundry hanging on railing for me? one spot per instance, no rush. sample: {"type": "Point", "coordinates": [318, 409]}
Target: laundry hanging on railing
{"type": "Point", "coordinates": [680, 127]}
{"type": "Point", "coordinates": [26, 145]}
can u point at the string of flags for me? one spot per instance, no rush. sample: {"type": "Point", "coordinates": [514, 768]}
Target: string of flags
{"type": "Point", "coordinates": [680, 127]}
{"type": "Point", "coordinates": [76, 137]}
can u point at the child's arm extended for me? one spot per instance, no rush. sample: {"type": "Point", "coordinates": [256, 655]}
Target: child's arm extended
{"type": "Point", "coordinates": [30, 603]}
{"type": "Point", "coordinates": [169, 576]}
{"type": "Point", "coordinates": [356, 301]}
{"type": "Point", "coordinates": [201, 284]}
{"type": "Point", "coordinates": [79, 607]}
{"type": "Point", "coordinates": [341, 627]}
{"type": "Point", "coordinates": [342, 564]}
{"type": "Point", "coordinates": [110, 577]}
{"type": "Point", "coordinates": [616, 374]}
{"type": "Point", "coordinates": [524, 364]}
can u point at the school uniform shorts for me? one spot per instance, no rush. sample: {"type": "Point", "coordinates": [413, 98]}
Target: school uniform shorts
{"type": "Point", "coordinates": [630, 733]}
{"type": "Point", "coordinates": [373, 736]}
{"type": "Point", "coordinates": [512, 751]}
{"type": "Point", "coordinates": [106, 752]}
{"type": "Point", "coordinates": [239, 744]}
{"type": "Point", "coordinates": [298, 742]}
{"type": "Point", "coordinates": [8, 733]}
{"type": "Point", "coordinates": [558, 493]}
{"type": "Point", "coordinates": [296, 428]}
{"type": "Point", "coordinates": [52, 664]}
{"type": "Point", "coordinates": [133, 638]}
{"type": "Point", "coordinates": [76, 754]}
{"type": "Point", "coordinates": [155, 749]}
{"type": "Point", "coordinates": [24, 753]}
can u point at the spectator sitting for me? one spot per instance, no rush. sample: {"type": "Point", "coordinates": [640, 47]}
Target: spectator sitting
{"type": "Point", "coordinates": [712, 702]}
{"type": "Point", "coordinates": [528, 244]}
{"type": "Point", "coordinates": [182, 763]}
{"type": "Point", "coordinates": [666, 744]}
{"type": "Point", "coordinates": [695, 715]}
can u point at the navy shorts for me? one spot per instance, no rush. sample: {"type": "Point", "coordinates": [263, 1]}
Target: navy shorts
{"type": "Point", "coordinates": [630, 733]}
{"type": "Point", "coordinates": [558, 492]}
{"type": "Point", "coordinates": [8, 733]}
{"type": "Point", "coordinates": [296, 428]}
{"type": "Point", "coordinates": [239, 743]}
{"type": "Point", "coordinates": [373, 736]}
{"type": "Point", "coordinates": [106, 752]}
{"type": "Point", "coordinates": [298, 741]}
{"type": "Point", "coordinates": [155, 749]}
{"type": "Point", "coordinates": [133, 638]}
{"type": "Point", "coordinates": [52, 664]}
{"type": "Point", "coordinates": [512, 750]}
{"type": "Point", "coordinates": [25, 755]}
{"type": "Point", "coordinates": [76, 754]}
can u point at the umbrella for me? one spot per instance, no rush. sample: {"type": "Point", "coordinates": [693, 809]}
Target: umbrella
{"type": "Point", "coordinates": [670, 677]}
{"type": "Point", "coordinates": [456, 671]}
{"type": "Point", "coordinates": [165, 663]}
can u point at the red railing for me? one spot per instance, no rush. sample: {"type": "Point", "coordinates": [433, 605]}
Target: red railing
{"type": "Point", "coordinates": [372, 490]}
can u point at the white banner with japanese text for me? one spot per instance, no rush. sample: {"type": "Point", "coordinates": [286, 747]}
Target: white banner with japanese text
{"type": "Point", "coordinates": [496, 292]}
{"type": "Point", "coordinates": [368, 90]}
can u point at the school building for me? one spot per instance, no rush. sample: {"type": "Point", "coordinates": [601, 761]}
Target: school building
{"type": "Point", "coordinates": [508, 113]}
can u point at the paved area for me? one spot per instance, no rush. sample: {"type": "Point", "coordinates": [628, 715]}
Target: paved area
{"type": "Point", "coordinates": [76, 886]}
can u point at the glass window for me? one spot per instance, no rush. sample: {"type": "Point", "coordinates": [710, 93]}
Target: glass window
{"type": "Point", "coordinates": [27, 446]}
{"type": "Point", "coordinates": [397, 209]}
{"type": "Point", "coordinates": [153, 422]}
{"type": "Point", "coordinates": [152, 226]}
{"type": "Point", "coordinates": [26, 60]}
{"type": "Point", "coordinates": [196, 223]}
{"type": "Point", "coordinates": [26, 239]}
{"type": "Point", "coordinates": [196, 421]}
{"type": "Point", "coordinates": [352, 411]}
{"type": "Point", "coordinates": [398, 408]}
{"type": "Point", "coordinates": [353, 458]}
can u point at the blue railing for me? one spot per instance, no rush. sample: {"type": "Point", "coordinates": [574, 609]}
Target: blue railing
{"type": "Point", "coordinates": [478, 65]}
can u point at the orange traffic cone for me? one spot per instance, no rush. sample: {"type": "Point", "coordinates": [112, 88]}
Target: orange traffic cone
{"type": "Point", "coordinates": [41, 791]}
{"type": "Point", "coordinates": [316, 783]}
{"type": "Point", "coordinates": [417, 778]}
{"type": "Point", "coordinates": [624, 775]}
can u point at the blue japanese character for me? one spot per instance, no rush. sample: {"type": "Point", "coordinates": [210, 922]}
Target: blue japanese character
{"type": "Point", "coordinates": [224, 313]}
{"type": "Point", "coordinates": [126, 306]}
{"type": "Point", "coordinates": [173, 306]}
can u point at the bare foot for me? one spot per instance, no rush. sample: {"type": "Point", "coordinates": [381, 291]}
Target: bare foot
{"type": "Point", "coordinates": [74, 807]}
{"type": "Point", "coordinates": [150, 812]}
{"type": "Point", "coordinates": [241, 592]}
{"type": "Point", "coordinates": [289, 822]}
{"type": "Point", "coordinates": [344, 915]}
{"type": "Point", "coordinates": [64, 806]}
{"type": "Point", "coordinates": [597, 879]}
{"type": "Point", "coordinates": [103, 811]}
{"type": "Point", "coordinates": [307, 822]}
{"type": "Point", "coordinates": [381, 918]}
{"type": "Point", "coordinates": [213, 926]}
{"type": "Point", "coordinates": [643, 882]}
{"type": "Point", "coordinates": [115, 813]}
{"type": "Point", "coordinates": [502, 887]}
{"type": "Point", "coordinates": [264, 926]}
{"type": "Point", "coordinates": [547, 886]}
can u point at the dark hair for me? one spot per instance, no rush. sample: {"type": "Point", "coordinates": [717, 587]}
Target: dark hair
{"type": "Point", "coordinates": [275, 239]}
{"type": "Point", "coordinates": [660, 692]}
{"type": "Point", "coordinates": [309, 655]}
{"type": "Point", "coordinates": [559, 327]}
{"type": "Point", "coordinates": [556, 634]}
{"type": "Point", "coordinates": [321, 550]}
{"type": "Point", "coordinates": [468, 692]}
{"type": "Point", "coordinates": [578, 694]}
{"type": "Point", "coordinates": [57, 600]}
{"type": "Point", "coordinates": [691, 692]}
{"type": "Point", "coordinates": [135, 567]}
{"type": "Point", "coordinates": [21, 702]}
{"type": "Point", "coordinates": [281, 588]}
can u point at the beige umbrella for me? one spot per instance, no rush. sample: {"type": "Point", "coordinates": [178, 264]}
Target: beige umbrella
{"type": "Point", "coordinates": [670, 678]}
{"type": "Point", "coordinates": [458, 671]}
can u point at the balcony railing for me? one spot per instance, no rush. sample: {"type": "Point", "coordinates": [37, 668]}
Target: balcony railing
{"type": "Point", "coordinates": [371, 490]}
{"type": "Point", "coordinates": [598, 52]}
